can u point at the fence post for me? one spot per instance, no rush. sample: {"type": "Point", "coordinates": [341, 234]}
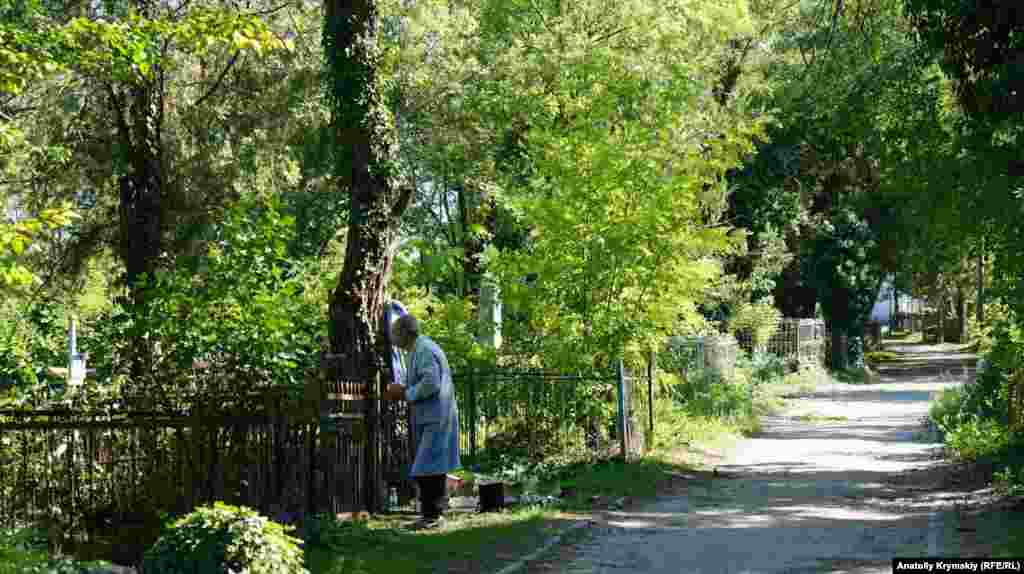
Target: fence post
{"type": "Point", "coordinates": [652, 369]}
{"type": "Point", "coordinates": [623, 429]}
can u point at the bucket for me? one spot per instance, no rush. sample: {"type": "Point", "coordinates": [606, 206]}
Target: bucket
{"type": "Point", "coordinates": [492, 497]}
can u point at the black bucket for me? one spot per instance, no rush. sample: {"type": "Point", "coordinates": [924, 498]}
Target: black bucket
{"type": "Point", "coordinates": [492, 497]}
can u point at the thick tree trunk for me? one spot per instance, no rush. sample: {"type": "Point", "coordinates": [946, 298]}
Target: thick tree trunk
{"type": "Point", "coordinates": [792, 297]}
{"type": "Point", "coordinates": [838, 317]}
{"type": "Point", "coordinates": [139, 115]}
{"type": "Point", "coordinates": [141, 190]}
{"type": "Point", "coordinates": [365, 142]}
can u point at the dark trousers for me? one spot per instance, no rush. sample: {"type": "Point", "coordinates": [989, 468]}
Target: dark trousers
{"type": "Point", "coordinates": [432, 493]}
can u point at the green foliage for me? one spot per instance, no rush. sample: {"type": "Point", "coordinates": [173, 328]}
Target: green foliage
{"type": "Point", "coordinates": [706, 393]}
{"type": "Point", "coordinates": [1010, 481]}
{"type": "Point", "coordinates": [978, 438]}
{"type": "Point", "coordinates": [239, 307]}
{"type": "Point", "coordinates": [980, 46]}
{"type": "Point", "coordinates": [875, 357]}
{"type": "Point", "coordinates": [15, 357]}
{"type": "Point", "coordinates": [842, 264]}
{"type": "Point", "coordinates": [24, 551]}
{"type": "Point", "coordinates": [15, 240]}
{"type": "Point", "coordinates": [627, 157]}
{"type": "Point", "coordinates": [219, 539]}
{"type": "Point", "coordinates": [946, 411]}
{"type": "Point", "coordinates": [344, 536]}
{"type": "Point", "coordinates": [988, 396]}
{"type": "Point", "coordinates": [760, 319]}
{"type": "Point", "coordinates": [764, 368]}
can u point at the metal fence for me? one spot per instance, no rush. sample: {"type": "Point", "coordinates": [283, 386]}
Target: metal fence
{"type": "Point", "coordinates": [535, 414]}
{"type": "Point", "coordinates": [101, 476]}
{"type": "Point", "coordinates": [802, 341]}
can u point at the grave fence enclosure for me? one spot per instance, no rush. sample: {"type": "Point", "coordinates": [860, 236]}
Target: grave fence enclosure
{"type": "Point", "coordinates": [801, 341]}
{"type": "Point", "coordinates": [107, 472]}
{"type": "Point", "coordinates": [533, 414]}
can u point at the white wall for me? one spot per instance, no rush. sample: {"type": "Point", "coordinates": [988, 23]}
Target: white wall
{"type": "Point", "coordinates": [883, 304]}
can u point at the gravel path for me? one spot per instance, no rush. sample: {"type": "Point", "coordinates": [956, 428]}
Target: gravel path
{"type": "Point", "coordinates": [840, 494]}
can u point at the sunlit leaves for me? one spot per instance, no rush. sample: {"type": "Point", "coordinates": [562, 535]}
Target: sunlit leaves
{"type": "Point", "coordinates": [628, 151]}
{"type": "Point", "coordinates": [127, 49]}
{"type": "Point", "coordinates": [15, 239]}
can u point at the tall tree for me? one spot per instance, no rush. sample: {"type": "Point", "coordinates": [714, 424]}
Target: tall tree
{"type": "Point", "coordinates": [366, 141]}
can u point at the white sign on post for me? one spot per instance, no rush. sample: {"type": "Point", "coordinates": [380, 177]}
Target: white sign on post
{"type": "Point", "coordinates": [76, 373]}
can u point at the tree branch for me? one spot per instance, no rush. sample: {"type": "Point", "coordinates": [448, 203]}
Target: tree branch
{"type": "Point", "coordinates": [269, 11]}
{"type": "Point", "coordinates": [220, 79]}
{"type": "Point", "coordinates": [609, 35]}
{"type": "Point", "coordinates": [835, 20]}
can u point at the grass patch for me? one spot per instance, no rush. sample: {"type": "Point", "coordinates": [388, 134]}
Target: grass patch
{"type": "Point", "coordinates": [475, 543]}
{"type": "Point", "coordinates": [855, 376]}
{"type": "Point", "coordinates": [608, 481]}
{"type": "Point", "coordinates": [903, 338]}
{"type": "Point", "coordinates": [876, 357]}
{"type": "Point", "coordinates": [467, 544]}
{"type": "Point", "coordinates": [810, 418]}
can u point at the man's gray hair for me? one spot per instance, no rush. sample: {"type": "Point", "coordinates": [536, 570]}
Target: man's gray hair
{"type": "Point", "coordinates": [406, 326]}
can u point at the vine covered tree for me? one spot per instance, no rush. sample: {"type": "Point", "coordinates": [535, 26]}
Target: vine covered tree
{"type": "Point", "coordinates": [366, 166]}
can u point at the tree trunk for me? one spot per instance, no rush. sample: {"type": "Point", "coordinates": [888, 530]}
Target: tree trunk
{"type": "Point", "coordinates": [980, 310]}
{"type": "Point", "coordinates": [366, 143]}
{"type": "Point", "coordinates": [894, 322]}
{"type": "Point", "coordinates": [792, 297]}
{"type": "Point", "coordinates": [139, 115]}
{"type": "Point", "coordinates": [961, 315]}
{"type": "Point", "coordinates": [942, 318]}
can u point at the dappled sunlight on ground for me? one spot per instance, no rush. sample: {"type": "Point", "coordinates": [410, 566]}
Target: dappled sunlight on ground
{"type": "Point", "coordinates": [856, 481]}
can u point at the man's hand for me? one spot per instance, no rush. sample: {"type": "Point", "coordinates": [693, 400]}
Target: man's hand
{"type": "Point", "coordinates": [394, 392]}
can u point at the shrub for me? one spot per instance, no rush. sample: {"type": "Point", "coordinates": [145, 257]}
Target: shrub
{"type": "Point", "coordinates": [875, 357]}
{"type": "Point", "coordinates": [946, 411]}
{"type": "Point", "coordinates": [766, 368]}
{"type": "Point", "coordinates": [327, 531]}
{"type": "Point", "coordinates": [219, 539]}
{"type": "Point", "coordinates": [24, 551]}
{"type": "Point", "coordinates": [978, 438]}
{"type": "Point", "coordinates": [760, 320]}
{"type": "Point", "coordinates": [706, 393]}
{"type": "Point", "coordinates": [1010, 481]}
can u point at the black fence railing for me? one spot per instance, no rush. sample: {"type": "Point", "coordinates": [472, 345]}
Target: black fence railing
{"type": "Point", "coordinates": [535, 414]}
{"type": "Point", "coordinates": [101, 474]}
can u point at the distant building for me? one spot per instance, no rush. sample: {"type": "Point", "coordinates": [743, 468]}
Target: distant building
{"type": "Point", "coordinates": [882, 311]}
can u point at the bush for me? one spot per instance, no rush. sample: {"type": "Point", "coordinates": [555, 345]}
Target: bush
{"type": "Point", "coordinates": [760, 320]}
{"type": "Point", "coordinates": [219, 539]}
{"type": "Point", "coordinates": [706, 393]}
{"type": "Point", "coordinates": [327, 531]}
{"type": "Point", "coordinates": [24, 551]}
{"type": "Point", "coordinates": [766, 368]}
{"type": "Point", "coordinates": [1010, 481]}
{"type": "Point", "coordinates": [978, 438]}
{"type": "Point", "coordinates": [946, 411]}
{"type": "Point", "coordinates": [875, 357]}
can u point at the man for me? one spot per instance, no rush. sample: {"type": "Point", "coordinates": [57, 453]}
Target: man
{"type": "Point", "coordinates": [428, 387]}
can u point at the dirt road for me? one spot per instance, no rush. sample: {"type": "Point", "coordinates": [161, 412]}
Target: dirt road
{"type": "Point", "coordinates": [845, 489]}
